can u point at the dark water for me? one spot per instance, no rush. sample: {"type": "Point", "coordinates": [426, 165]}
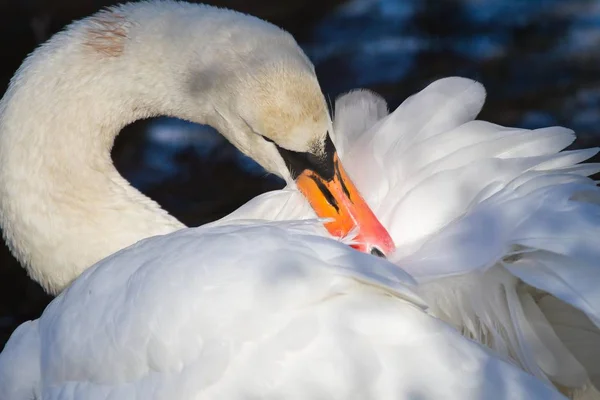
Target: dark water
{"type": "Point", "coordinates": [537, 58]}
{"type": "Point", "coordinates": [539, 61]}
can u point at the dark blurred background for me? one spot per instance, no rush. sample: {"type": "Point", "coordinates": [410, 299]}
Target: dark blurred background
{"type": "Point", "coordinates": [539, 60]}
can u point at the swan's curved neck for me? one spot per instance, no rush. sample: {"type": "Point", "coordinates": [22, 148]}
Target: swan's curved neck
{"type": "Point", "coordinates": [63, 205]}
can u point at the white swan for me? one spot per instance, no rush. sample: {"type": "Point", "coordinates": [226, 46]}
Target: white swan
{"type": "Point", "coordinates": [245, 309]}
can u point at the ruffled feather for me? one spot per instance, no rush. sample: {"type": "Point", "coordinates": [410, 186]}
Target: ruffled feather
{"type": "Point", "coordinates": [493, 222]}
{"type": "Point", "coordinates": [486, 218]}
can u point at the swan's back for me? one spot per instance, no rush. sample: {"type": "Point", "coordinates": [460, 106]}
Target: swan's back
{"type": "Point", "coordinates": [249, 311]}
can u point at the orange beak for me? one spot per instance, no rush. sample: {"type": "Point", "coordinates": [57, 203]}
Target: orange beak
{"type": "Point", "coordinates": [338, 199]}
{"type": "Point", "coordinates": [322, 180]}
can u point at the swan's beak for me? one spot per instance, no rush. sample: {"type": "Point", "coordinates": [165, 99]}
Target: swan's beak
{"type": "Point", "coordinates": [332, 195]}
{"type": "Point", "coordinates": [338, 199]}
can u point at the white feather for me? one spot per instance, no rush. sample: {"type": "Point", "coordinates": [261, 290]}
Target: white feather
{"type": "Point", "coordinates": [475, 203]}
{"type": "Point", "coordinates": [477, 211]}
{"type": "Point", "coordinates": [249, 311]}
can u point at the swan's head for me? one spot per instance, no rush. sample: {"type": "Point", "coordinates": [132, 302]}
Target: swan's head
{"type": "Point", "coordinates": [279, 117]}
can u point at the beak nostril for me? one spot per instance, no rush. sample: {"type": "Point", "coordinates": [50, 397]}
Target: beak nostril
{"type": "Point", "coordinates": [376, 252]}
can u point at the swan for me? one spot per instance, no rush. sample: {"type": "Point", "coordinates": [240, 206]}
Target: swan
{"type": "Point", "coordinates": [246, 307]}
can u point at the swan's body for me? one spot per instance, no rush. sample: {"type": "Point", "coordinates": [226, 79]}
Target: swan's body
{"type": "Point", "coordinates": [275, 314]}
{"type": "Point", "coordinates": [244, 310]}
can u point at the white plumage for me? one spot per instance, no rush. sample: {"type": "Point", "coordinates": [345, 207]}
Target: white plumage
{"type": "Point", "coordinates": [244, 308]}
{"type": "Point", "coordinates": [477, 211]}
{"type": "Point", "coordinates": [257, 310]}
